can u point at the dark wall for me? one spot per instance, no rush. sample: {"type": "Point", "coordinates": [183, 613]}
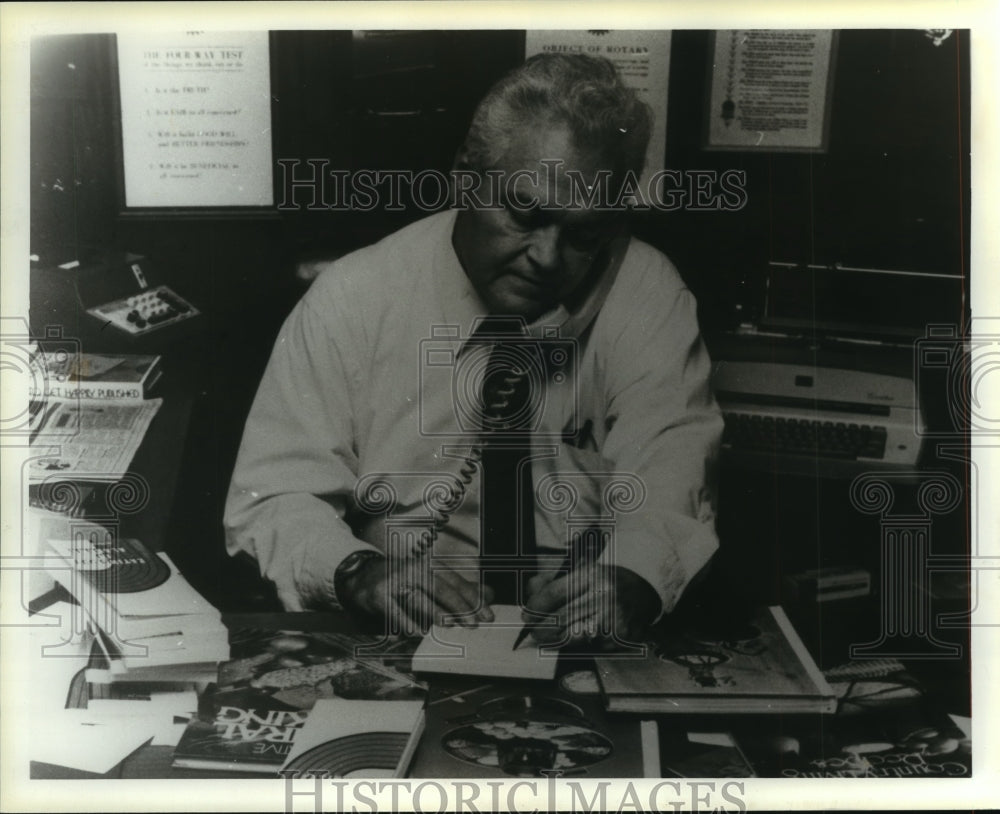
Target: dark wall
{"type": "Point", "coordinates": [891, 192]}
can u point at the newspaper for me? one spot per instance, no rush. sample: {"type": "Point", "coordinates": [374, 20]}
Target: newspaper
{"type": "Point", "coordinates": [89, 440]}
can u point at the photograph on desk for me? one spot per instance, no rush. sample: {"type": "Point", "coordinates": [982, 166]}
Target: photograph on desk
{"type": "Point", "coordinates": [509, 400]}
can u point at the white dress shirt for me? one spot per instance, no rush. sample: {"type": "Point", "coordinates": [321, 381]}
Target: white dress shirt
{"type": "Point", "coordinates": [368, 396]}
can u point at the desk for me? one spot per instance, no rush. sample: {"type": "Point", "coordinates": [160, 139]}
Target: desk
{"type": "Point", "coordinates": [764, 739]}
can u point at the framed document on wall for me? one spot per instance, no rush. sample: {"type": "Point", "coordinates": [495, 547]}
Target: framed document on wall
{"type": "Point", "coordinates": [770, 90]}
{"type": "Point", "coordinates": [195, 119]}
{"type": "Point", "coordinates": [643, 59]}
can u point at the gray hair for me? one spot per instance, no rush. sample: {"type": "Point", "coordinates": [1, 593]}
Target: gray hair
{"type": "Point", "coordinates": [583, 93]}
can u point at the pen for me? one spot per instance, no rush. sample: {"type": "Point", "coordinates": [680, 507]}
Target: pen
{"type": "Point", "coordinates": [529, 627]}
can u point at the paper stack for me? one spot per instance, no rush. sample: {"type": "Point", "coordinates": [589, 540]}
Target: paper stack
{"type": "Point", "coordinates": [85, 727]}
{"type": "Point", "coordinates": [151, 624]}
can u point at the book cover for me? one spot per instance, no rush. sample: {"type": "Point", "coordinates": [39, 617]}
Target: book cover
{"type": "Point", "coordinates": [485, 650]}
{"type": "Point", "coordinates": [760, 666]}
{"type": "Point", "coordinates": [524, 729]}
{"type": "Point", "coordinates": [299, 668]}
{"type": "Point", "coordinates": [272, 671]}
{"type": "Point", "coordinates": [702, 754]}
{"type": "Point", "coordinates": [125, 377]}
{"type": "Point", "coordinates": [255, 736]}
{"type": "Point", "coordinates": [354, 738]}
{"type": "Point", "coordinates": [914, 742]}
{"type": "Point", "coordinates": [132, 592]}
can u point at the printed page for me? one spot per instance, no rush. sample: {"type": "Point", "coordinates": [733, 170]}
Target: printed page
{"type": "Point", "coordinates": [93, 440]}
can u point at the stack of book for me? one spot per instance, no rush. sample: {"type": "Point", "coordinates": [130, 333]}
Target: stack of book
{"type": "Point", "coordinates": [94, 377]}
{"type": "Point", "coordinates": [306, 703]}
{"type": "Point", "coordinates": [150, 622]}
{"type": "Point", "coordinates": [89, 412]}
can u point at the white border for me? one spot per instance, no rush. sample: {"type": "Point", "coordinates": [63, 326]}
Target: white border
{"type": "Point", "coordinates": [19, 22]}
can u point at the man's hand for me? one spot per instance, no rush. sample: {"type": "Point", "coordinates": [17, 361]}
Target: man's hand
{"type": "Point", "coordinates": [597, 604]}
{"type": "Point", "coordinates": [416, 604]}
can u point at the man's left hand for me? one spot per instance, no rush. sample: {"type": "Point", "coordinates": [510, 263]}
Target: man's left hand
{"type": "Point", "coordinates": [600, 605]}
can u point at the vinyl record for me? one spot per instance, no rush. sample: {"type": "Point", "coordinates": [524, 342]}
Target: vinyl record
{"type": "Point", "coordinates": [371, 754]}
{"type": "Point", "coordinates": [133, 568]}
{"type": "Point", "coordinates": [527, 748]}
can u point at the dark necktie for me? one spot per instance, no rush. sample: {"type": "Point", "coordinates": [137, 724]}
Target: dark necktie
{"type": "Point", "coordinates": [509, 406]}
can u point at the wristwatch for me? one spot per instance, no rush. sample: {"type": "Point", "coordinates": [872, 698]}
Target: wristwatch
{"type": "Point", "coordinates": [349, 566]}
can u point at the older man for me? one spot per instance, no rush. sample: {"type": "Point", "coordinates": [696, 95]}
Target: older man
{"type": "Point", "coordinates": [389, 379]}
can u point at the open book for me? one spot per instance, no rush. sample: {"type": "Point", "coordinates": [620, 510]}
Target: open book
{"type": "Point", "coordinates": [763, 668]}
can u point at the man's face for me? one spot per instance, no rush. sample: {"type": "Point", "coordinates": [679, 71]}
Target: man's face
{"type": "Point", "coordinates": [524, 259]}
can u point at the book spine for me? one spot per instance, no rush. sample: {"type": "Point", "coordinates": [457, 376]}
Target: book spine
{"type": "Point", "coordinates": [411, 747]}
{"type": "Point", "coordinates": [127, 385]}
{"type": "Point", "coordinates": [649, 734]}
{"type": "Point", "coordinates": [802, 654]}
{"type": "Point", "coordinates": [94, 391]}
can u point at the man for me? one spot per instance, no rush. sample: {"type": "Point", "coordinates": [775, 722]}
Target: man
{"type": "Point", "coordinates": [357, 417]}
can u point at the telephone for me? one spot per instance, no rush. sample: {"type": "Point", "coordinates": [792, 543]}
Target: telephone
{"type": "Point", "coordinates": [124, 293]}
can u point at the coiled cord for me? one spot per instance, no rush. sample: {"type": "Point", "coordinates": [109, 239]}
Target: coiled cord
{"type": "Point", "coordinates": [493, 414]}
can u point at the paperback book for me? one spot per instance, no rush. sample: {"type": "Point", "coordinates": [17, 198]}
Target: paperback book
{"type": "Point", "coordinates": [254, 737]}
{"type": "Point", "coordinates": [252, 717]}
{"type": "Point", "coordinates": [124, 377]}
{"type": "Point", "coordinates": [355, 738]}
{"type": "Point", "coordinates": [133, 593]}
{"type": "Point", "coordinates": [911, 742]}
{"type": "Point", "coordinates": [754, 666]}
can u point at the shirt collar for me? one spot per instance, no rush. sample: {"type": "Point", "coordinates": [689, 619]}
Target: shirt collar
{"type": "Point", "coordinates": [462, 306]}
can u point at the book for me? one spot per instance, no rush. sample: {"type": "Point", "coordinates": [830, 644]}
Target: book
{"type": "Point", "coordinates": [125, 377]}
{"type": "Point", "coordinates": [756, 667]}
{"type": "Point", "coordinates": [299, 668]}
{"type": "Point", "coordinates": [255, 737]}
{"type": "Point", "coordinates": [703, 754]}
{"type": "Point", "coordinates": [911, 742]}
{"type": "Point", "coordinates": [523, 729]}
{"type": "Point", "coordinates": [354, 738]}
{"type": "Point", "coordinates": [485, 650]}
{"type": "Point", "coordinates": [131, 592]}
{"type": "Point", "coordinates": [160, 661]}
{"type": "Point", "coordinates": [239, 727]}
{"type": "Point", "coordinates": [151, 625]}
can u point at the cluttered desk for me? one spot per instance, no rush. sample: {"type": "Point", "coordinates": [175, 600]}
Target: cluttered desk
{"type": "Point", "coordinates": [157, 677]}
{"type": "Point", "coordinates": [314, 695]}
{"type": "Point", "coordinates": [163, 685]}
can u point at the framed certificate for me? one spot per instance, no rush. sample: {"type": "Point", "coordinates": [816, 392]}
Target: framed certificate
{"type": "Point", "coordinates": [770, 90]}
{"type": "Point", "coordinates": [643, 60]}
{"type": "Point", "coordinates": [195, 119]}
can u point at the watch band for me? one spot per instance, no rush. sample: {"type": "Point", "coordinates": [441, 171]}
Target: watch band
{"type": "Point", "coordinates": [351, 564]}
